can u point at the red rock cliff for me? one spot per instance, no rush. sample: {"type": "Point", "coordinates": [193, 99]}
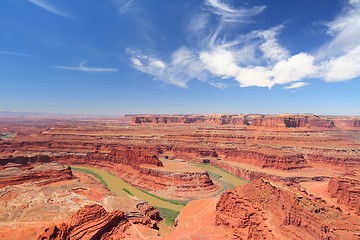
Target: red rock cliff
{"type": "Point", "coordinates": [347, 191]}
{"type": "Point", "coordinates": [131, 156]}
{"type": "Point", "coordinates": [32, 169]}
{"type": "Point", "coordinates": [267, 210]}
{"type": "Point", "coordinates": [134, 157]}
{"type": "Point", "coordinates": [94, 222]}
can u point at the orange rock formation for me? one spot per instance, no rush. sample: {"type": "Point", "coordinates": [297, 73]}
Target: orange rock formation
{"type": "Point", "coordinates": [268, 210]}
{"type": "Point", "coordinates": [39, 169]}
{"type": "Point", "coordinates": [347, 191]}
{"type": "Point", "coordinates": [94, 222]}
{"type": "Point", "coordinates": [288, 121]}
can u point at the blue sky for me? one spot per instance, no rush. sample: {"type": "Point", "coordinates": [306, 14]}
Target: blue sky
{"type": "Point", "coordinates": [197, 56]}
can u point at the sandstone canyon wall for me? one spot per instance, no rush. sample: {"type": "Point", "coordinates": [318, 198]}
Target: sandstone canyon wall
{"type": "Point", "coordinates": [39, 169]}
{"type": "Point", "coordinates": [270, 210]}
{"type": "Point", "coordinates": [94, 222]}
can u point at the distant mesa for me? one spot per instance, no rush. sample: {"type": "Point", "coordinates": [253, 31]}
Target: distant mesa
{"type": "Point", "coordinates": [252, 120]}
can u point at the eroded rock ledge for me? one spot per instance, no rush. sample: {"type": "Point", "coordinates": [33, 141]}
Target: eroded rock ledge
{"type": "Point", "coordinates": [269, 210]}
{"type": "Point", "coordinates": [140, 167]}
{"type": "Point", "coordinates": [94, 222]}
{"type": "Point", "coordinates": [39, 169]}
{"type": "Point", "coordinates": [347, 191]}
{"type": "Point", "coordinates": [256, 120]}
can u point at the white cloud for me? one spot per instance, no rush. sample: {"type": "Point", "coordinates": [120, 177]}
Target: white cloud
{"type": "Point", "coordinates": [220, 62]}
{"type": "Point", "coordinates": [83, 68]}
{"type": "Point", "coordinates": [254, 77]}
{"type": "Point", "coordinates": [297, 85]}
{"type": "Point", "coordinates": [15, 54]}
{"type": "Point", "coordinates": [257, 58]}
{"type": "Point", "coordinates": [343, 50]}
{"type": "Point", "coordinates": [294, 68]}
{"type": "Point", "coordinates": [228, 17]}
{"type": "Point", "coordinates": [342, 68]}
{"type": "Point", "coordinates": [182, 66]}
{"type": "Point", "coordinates": [219, 85]}
{"type": "Point", "coordinates": [48, 7]}
{"type": "Point", "coordinates": [345, 30]}
{"type": "Point", "coordinates": [198, 23]}
{"type": "Point", "coordinates": [270, 48]}
{"type": "Point", "coordinates": [230, 14]}
{"type": "Point", "coordinates": [186, 64]}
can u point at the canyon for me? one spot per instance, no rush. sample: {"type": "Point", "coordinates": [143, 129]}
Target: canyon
{"type": "Point", "coordinates": [301, 169]}
{"type": "Point", "coordinates": [278, 211]}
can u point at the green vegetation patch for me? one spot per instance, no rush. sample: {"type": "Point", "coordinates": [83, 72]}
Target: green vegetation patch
{"type": "Point", "coordinates": [92, 173]}
{"type": "Point", "coordinates": [169, 215]}
{"type": "Point", "coordinates": [220, 174]}
{"type": "Point", "coordinates": [176, 202]}
{"type": "Point", "coordinates": [118, 186]}
{"type": "Point", "coordinates": [128, 192]}
{"type": "Point", "coordinates": [7, 135]}
{"type": "Point", "coordinates": [214, 175]}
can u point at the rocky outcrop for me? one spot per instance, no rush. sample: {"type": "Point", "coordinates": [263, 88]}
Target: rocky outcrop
{"type": "Point", "coordinates": [32, 169]}
{"type": "Point", "coordinates": [265, 160]}
{"type": "Point", "coordinates": [333, 160]}
{"type": "Point", "coordinates": [146, 210]}
{"type": "Point", "coordinates": [250, 175]}
{"type": "Point", "coordinates": [172, 119]}
{"type": "Point", "coordinates": [178, 185]}
{"type": "Point", "coordinates": [94, 222]}
{"type": "Point", "coordinates": [134, 156]}
{"type": "Point", "coordinates": [90, 222]}
{"type": "Point", "coordinates": [24, 160]}
{"type": "Point", "coordinates": [269, 210]}
{"type": "Point", "coordinates": [265, 121]}
{"type": "Point", "coordinates": [347, 191]}
{"type": "Point", "coordinates": [168, 183]}
{"type": "Point", "coordinates": [347, 123]}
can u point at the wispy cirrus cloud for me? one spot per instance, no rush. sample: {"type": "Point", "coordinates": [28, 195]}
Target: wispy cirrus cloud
{"type": "Point", "coordinates": [297, 85]}
{"type": "Point", "coordinates": [15, 54]}
{"type": "Point", "coordinates": [50, 8]}
{"type": "Point", "coordinates": [340, 57]}
{"type": "Point", "coordinates": [271, 48]}
{"type": "Point", "coordinates": [82, 68]}
{"type": "Point", "coordinates": [186, 63]}
{"type": "Point", "coordinates": [257, 58]}
{"type": "Point", "coordinates": [227, 13]}
{"type": "Point", "coordinates": [198, 23]}
{"type": "Point", "coordinates": [182, 66]}
{"type": "Point", "coordinates": [126, 6]}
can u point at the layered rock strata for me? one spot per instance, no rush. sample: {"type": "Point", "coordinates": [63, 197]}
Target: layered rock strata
{"type": "Point", "coordinates": [269, 210]}
{"type": "Point", "coordinates": [38, 169]}
{"type": "Point", "coordinates": [271, 121]}
{"type": "Point", "coordinates": [94, 222]}
{"type": "Point", "coordinates": [144, 170]}
{"type": "Point", "coordinates": [347, 192]}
